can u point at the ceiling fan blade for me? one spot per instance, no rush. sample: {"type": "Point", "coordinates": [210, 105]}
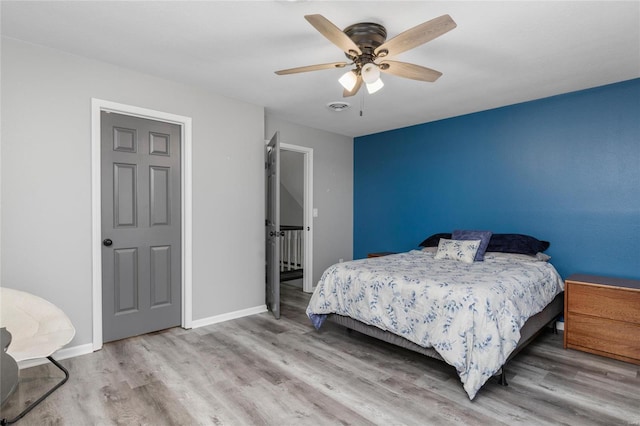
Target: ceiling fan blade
{"type": "Point", "coordinates": [346, 93]}
{"type": "Point", "coordinates": [312, 68]}
{"type": "Point", "coordinates": [416, 36]}
{"type": "Point", "coordinates": [412, 71]}
{"type": "Point", "coordinates": [334, 34]}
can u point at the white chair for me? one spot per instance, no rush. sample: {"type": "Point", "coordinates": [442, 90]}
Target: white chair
{"type": "Point", "coordinates": [38, 329]}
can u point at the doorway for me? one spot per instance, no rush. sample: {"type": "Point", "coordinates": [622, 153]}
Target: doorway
{"type": "Point", "coordinates": [302, 160]}
{"type": "Point", "coordinates": [185, 275]}
{"type": "Point", "coordinates": [274, 233]}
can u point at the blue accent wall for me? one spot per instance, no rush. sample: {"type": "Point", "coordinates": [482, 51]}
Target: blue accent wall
{"type": "Point", "coordinates": [565, 169]}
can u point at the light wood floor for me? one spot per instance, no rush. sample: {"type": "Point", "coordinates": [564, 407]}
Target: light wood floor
{"type": "Point", "coordinates": [261, 371]}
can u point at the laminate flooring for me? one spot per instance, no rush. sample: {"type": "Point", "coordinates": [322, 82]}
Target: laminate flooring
{"type": "Point", "coordinates": [261, 371]}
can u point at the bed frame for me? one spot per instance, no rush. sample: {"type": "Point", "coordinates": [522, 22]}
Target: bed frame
{"type": "Point", "coordinates": [529, 331]}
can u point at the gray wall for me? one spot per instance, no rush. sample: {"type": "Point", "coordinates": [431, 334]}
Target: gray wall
{"type": "Point", "coordinates": [46, 181]}
{"type": "Point", "coordinates": [291, 212]}
{"type": "Point", "coordinates": [332, 189]}
{"type": "Point", "coordinates": [291, 188]}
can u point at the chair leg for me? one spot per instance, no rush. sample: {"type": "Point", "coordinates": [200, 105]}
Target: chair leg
{"type": "Point", "coordinates": [43, 397]}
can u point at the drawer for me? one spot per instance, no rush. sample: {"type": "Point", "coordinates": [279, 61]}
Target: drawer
{"type": "Point", "coordinates": [607, 302]}
{"type": "Point", "coordinates": [603, 335]}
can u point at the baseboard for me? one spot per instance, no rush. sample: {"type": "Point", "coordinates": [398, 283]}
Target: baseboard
{"type": "Point", "coordinates": [88, 348]}
{"type": "Point", "coordinates": [58, 355]}
{"type": "Point", "coordinates": [228, 316]}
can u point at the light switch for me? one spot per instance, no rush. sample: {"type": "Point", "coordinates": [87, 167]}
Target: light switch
{"type": "Point", "coordinates": [315, 212]}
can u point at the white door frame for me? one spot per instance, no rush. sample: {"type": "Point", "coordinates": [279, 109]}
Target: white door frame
{"type": "Point", "coordinates": [307, 212]}
{"type": "Point", "coordinates": [98, 105]}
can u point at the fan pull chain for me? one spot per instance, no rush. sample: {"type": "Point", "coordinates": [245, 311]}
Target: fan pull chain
{"type": "Point", "coordinates": [361, 103]}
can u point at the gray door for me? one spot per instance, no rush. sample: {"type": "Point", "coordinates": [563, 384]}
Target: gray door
{"type": "Point", "coordinates": [141, 226]}
{"type": "Point", "coordinates": [273, 225]}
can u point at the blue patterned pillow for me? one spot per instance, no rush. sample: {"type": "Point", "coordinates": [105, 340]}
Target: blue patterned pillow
{"type": "Point", "coordinates": [462, 250]}
{"type": "Point", "coordinates": [483, 236]}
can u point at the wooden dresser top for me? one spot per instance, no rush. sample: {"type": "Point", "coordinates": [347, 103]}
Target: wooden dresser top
{"type": "Point", "coordinates": [608, 281]}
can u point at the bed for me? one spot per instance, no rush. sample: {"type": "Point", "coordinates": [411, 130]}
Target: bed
{"type": "Point", "coordinates": [475, 314]}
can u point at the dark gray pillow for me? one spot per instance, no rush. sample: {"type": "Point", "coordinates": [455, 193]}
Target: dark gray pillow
{"type": "Point", "coordinates": [434, 239]}
{"type": "Point", "coordinates": [517, 243]}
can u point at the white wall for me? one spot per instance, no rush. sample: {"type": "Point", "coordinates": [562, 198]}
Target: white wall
{"type": "Point", "coordinates": [332, 189]}
{"type": "Point", "coordinates": [46, 181]}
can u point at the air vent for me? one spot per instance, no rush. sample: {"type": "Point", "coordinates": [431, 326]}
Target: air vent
{"type": "Point", "coordinates": [338, 106]}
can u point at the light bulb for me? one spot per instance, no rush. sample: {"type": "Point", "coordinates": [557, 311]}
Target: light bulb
{"type": "Point", "coordinates": [375, 86]}
{"type": "Point", "coordinates": [370, 73]}
{"type": "Point", "coordinates": [348, 80]}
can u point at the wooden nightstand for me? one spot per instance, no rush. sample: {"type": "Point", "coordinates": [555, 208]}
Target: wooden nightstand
{"type": "Point", "coordinates": [380, 254]}
{"type": "Point", "coordinates": [602, 316]}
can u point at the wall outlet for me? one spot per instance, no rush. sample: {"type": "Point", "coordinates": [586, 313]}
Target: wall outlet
{"type": "Point", "coordinates": [340, 260]}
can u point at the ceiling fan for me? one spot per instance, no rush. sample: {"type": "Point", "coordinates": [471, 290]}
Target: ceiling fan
{"type": "Point", "coordinates": [366, 47]}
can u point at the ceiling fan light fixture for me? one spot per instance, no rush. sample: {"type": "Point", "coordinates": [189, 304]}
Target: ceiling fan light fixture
{"type": "Point", "coordinates": [348, 80]}
{"type": "Point", "coordinates": [365, 42]}
{"type": "Point", "coordinates": [375, 86]}
{"type": "Point", "coordinates": [370, 73]}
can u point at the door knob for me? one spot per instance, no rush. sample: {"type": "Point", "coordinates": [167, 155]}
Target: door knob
{"type": "Point", "coordinates": [107, 242]}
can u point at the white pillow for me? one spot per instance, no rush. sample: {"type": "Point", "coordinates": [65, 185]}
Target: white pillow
{"type": "Point", "coordinates": [461, 250]}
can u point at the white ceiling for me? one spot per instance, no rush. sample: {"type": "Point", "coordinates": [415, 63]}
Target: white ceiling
{"type": "Point", "coordinates": [501, 53]}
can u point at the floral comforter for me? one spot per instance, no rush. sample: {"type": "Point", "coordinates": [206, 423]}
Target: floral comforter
{"type": "Point", "coordinates": [470, 313]}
